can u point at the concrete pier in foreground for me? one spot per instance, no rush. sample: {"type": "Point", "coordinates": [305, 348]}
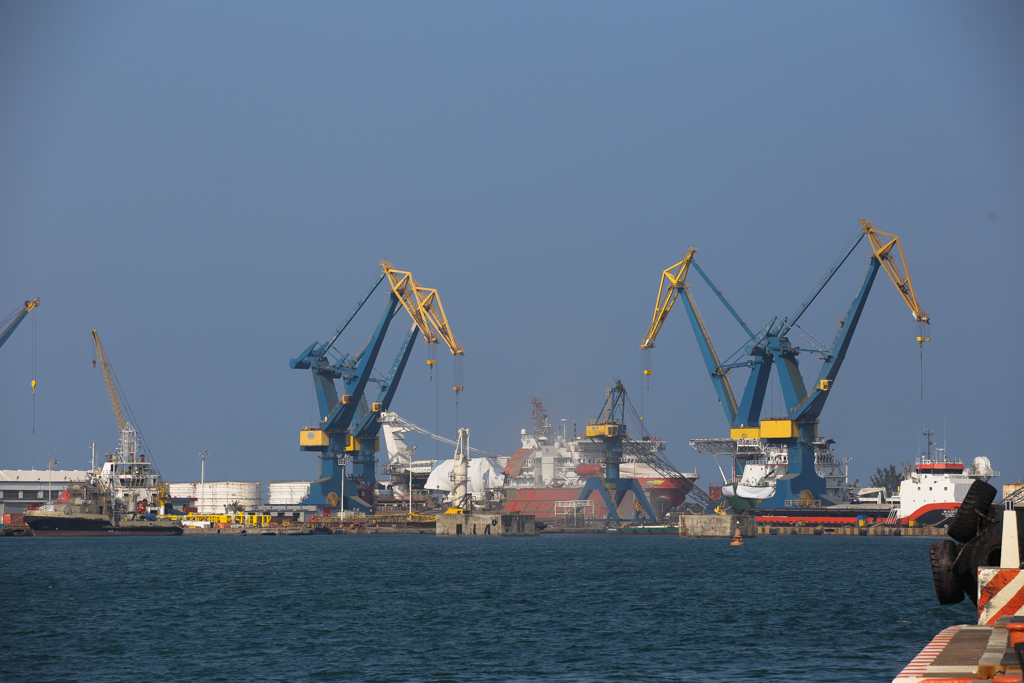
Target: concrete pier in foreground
{"type": "Point", "coordinates": [716, 526]}
{"type": "Point", "coordinates": [486, 524]}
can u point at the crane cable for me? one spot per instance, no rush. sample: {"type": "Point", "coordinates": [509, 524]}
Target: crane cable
{"type": "Point", "coordinates": [921, 339]}
{"type": "Point", "coordinates": [34, 354]}
{"type": "Point", "coordinates": [437, 410]}
{"type": "Point", "coordinates": [457, 386]}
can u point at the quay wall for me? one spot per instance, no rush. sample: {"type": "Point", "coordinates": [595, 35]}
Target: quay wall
{"type": "Point", "coordinates": [486, 524]}
{"type": "Point", "coordinates": [716, 526]}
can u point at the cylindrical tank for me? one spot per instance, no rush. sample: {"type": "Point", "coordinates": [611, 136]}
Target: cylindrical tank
{"type": "Point", "coordinates": [214, 497]}
{"type": "Point", "coordinates": [287, 492]}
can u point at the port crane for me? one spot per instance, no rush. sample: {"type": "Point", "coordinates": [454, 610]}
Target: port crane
{"type": "Point", "coordinates": [349, 427]}
{"type": "Point", "coordinates": [9, 324]}
{"type": "Point", "coordinates": [129, 471]}
{"type": "Point", "coordinates": [771, 347]}
{"type": "Point", "coordinates": [611, 429]}
{"type": "Point", "coordinates": [7, 327]}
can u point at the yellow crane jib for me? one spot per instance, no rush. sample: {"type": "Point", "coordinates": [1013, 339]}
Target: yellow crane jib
{"type": "Point", "coordinates": [672, 279]}
{"type": "Point", "coordinates": [11, 322]}
{"type": "Point", "coordinates": [424, 307]}
{"type": "Point", "coordinates": [108, 380]}
{"type": "Point", "coordinates": [897, 270]}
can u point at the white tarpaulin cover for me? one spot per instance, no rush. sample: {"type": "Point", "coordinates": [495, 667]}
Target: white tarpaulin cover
{"type": "Point", "coordinates": [758, 492]}
{"type": "Point", "coordinates": [484, 473]}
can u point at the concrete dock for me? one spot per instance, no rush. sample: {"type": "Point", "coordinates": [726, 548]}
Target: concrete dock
{"type": "Point", "coordinates": [486, 524]}
{"type": "Point", "coordinates": [968, 654]}
{"type": "Point", "coordinates": [716, 526]}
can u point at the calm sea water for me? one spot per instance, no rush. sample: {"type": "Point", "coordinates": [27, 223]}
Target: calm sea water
{"type": "Point", "coordinates": [420, 608]}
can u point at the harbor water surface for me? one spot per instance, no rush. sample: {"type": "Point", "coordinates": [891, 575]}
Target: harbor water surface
{"type": "Point", "coordinates": [420, 608]}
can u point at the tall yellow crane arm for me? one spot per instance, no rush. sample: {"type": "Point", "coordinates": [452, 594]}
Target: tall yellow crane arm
{"type": "Point", "coordinates": [108, 380]}
{"type": "Point", "coordinates": [424, 307]}
{"type": "Point", "coordinates": [897, 270]}
{"type": "Point", "coordinates": [672, 279]}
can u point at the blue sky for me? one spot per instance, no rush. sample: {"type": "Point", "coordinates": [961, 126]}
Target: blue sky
{"type": "Point", "coordinates": [212, 186]}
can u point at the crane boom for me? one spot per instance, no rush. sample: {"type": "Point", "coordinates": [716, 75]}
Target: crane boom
{"type": "Point", "coordinates": [424, 306]}
{"type": "Point", "coordinates": [11, 322]}
{"type": "Point", "coordinates": [672, 280]}
{"type": "Point", "coordinates": [898, 272]}
{"type": "Point", "coordinates": [719, 376]}
{"type": "Point", "coordinates": [405, 424]}
{"type": "Point", "coordinates": [110, 382]}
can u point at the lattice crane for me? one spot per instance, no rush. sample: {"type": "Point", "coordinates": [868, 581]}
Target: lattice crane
{"type": "Point", "coordinates": [426, 310]}
{"type": "Point", "coordinates": [132, 465]}
{"type": "Point", "coordinates": [110, 382]}
{"type": "Point", "coordinates": [771, 347]}
{"type": "Point", "coordinates": [349, 426]}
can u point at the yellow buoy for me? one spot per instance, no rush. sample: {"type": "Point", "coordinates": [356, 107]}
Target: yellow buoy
{"type": "Point", "coordinates": [737, 538]}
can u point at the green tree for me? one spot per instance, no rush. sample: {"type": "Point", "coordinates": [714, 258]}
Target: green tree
{"type": "Point", "coordinates": [887, 478]}
{"type": "Point", "coordinates": [235, 507]}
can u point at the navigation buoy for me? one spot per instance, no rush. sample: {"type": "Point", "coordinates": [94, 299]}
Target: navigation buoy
{"type": "Point", "coordinates": [737, 538]}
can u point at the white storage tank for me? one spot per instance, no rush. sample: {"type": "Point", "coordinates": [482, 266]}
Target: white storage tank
{"type": "Point", "coordinates": [287, 492]}
{"type": "Point", "coordinates": [213, 497]}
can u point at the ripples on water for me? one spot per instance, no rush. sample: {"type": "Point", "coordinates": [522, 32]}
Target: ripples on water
{"type": "Point", "coordinates": [419, 608]}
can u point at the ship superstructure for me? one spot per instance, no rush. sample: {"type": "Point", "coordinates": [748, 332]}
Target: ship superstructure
{"type": "Point", "coordinates": [559, 461]}
{"type": "Point", "coordinates": [551, 468]}
{"type": "Point", "coordinates": [130, 475]}
{"type": "Point", "coordinates": [936, 485]}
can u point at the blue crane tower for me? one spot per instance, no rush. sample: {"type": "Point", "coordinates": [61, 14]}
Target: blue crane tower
{"type": "Point", "coordinates": [347, 433]}
{"type": "Point", "coordinates": [610, 428]}
{"type": "Point", "coordinates": [771, 347]}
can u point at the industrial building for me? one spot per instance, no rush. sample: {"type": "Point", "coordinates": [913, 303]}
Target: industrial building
{"type": "Point", "coordinates": [21, 488]}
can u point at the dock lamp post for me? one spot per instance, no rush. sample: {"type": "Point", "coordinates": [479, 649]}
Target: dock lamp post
{"type": "Point", "coordinates": [49, 478]}
{"type": "Point", "coordinates": [341, 503]}
{"type": "Point", "coordinates": [202, 479]}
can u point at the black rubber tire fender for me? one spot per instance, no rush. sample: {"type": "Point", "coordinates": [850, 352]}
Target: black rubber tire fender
{"type": "Point", "coordinates": [947, 585]}
{"type": "Point", "coordinates": [987, 550]}
{"type": "Point", "coordinates": [971, 516]}
{"type": "Point", "coordinates": [978, 553]}
{"type": "Point", "coordinates": [984, 551]}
